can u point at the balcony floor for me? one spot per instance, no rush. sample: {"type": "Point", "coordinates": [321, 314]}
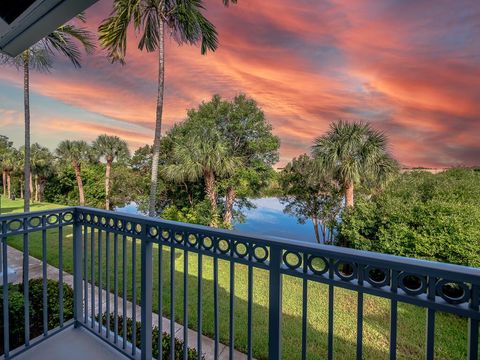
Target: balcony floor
{"type": "Point", "coordinates": [72, 344]}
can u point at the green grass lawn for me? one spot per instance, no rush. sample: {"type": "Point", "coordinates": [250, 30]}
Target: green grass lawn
{"type": "Point", "coordinates": [451, 331]}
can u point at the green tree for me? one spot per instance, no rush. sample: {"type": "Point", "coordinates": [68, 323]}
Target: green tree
{"type": "Point", "coordinates": [310, 192]}
{"type": "Point", "coordinates": [75, 153]}
{"type": "Point", "coordinates": [185, 23]}
{"type": "Point", "coordinates": [422, 215]}
{"type": "Point", "coordinates": [355, 152]}
{"type": "Point", "coordinates": [111, 148]}
{"type": "Point", "coordinates": [10, 160]}
{"type": "Point", "coordinates": [5, 147]}
{"type": "Point", "coordinates": [202, 154]}
{"type": "Point", "coordinates": [42, 165]}
{"type": "Point", "coordinates": [248, 137]}
{"type": "Point", "coordinates": [63, 41]}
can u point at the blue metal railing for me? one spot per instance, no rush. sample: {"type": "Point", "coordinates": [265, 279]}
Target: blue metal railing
{"type": "Point", "coordinates": [422, 283]}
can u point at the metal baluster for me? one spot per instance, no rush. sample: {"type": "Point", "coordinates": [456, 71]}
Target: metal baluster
{"type": "Point", "coordinates": [473, 325]}
{"type": "Point", "coordinates": [232, 304]}
{"type": "Point", "coordinates": [115, 287]}
{"type": "Point", "coordinates": [146, 294]}
{"type": "Point", "coordinates": [26, 284]}
{"type": "Point", "coordinates": [134, 295]}
{"type": "Point", "coordinates": [199, 304]}
{"type": "Point", "coordinates": [430, 348]}
{"type": "Point", "coordinates": [124, 290]}
{"type": "Point", "coordinates": [185, 301]}
{"type": "Point", "coordinates": [331, 293]}
{"type": "Point", "coordinates": [100, 303]}
{"type": "Point", "coordinates": [275, 304]}
{"type": "Point", "coordinates": [92, 267]}
{"type": "Point", "coordinates": [249, 312]}
{"type": "Point", "coordinates": [160, 298]}
{"type": "Point", "coordinates": [360, 313]}
{"type": "Point", "coordinates": [215, 306]}
{"type": "Point", "coordinates": [107, 284]}
{"type": "Point", "coordinates": [172, 300]}
{"type": "Point", "coordinates": [6, 327]}
{"type": "Point", "coordinates": [60, 268]}
{"type": "Point", "coordinates": [85, 272]}
{"type": "Point", "coordinates": [304, 318]}
{"type": "Point", "coordinates": [393, 317]}
{"type": "Point", "coordinates": [77, 273]}
{"type": "Point", "coordinates": [44, 275]}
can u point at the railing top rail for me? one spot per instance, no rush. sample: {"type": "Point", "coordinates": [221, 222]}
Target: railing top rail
{"type": "Point", "coordinates": [346, 254]}
{"type": "Point", "coordinates": [369, 257]}
{"type": "Point", "coordinates": [14, 216]}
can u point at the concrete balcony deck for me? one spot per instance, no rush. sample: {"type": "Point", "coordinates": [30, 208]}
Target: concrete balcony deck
{"type": "Point", "coordinates": [72, 344]}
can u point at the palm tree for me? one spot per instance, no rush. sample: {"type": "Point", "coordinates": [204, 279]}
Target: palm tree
{"type": "Point", "coordinates": [355, 152]}
{"type": "Point", "coordinates": [75, 153]}
{"type": "Point", "coordinates": [62, 41]}
{"type": "Point", "coordinates": [41, 164]}
{"type": "Point", "coordinates": [111, 148]}
{"type": "Point", "coordinates": [186, 24]}
{"type": "Point", "coordinates": [202, 156]}
{"type": "Point", "coordinates": [9, 163]}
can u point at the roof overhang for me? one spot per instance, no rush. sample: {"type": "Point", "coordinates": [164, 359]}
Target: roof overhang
{"type": "Point", "coordinates": [25, 22]}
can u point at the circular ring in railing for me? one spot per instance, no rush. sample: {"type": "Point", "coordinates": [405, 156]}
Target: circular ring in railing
{"type": "Point", "coordinates": [377, 277]}
{"type": "Point", "coordinates": [207, 243]}
{"type": "Point", "coordinates": [119, 224]}
{"type": "Point", "coordinates": [95, 219]}
{"type": "Point", "coordinates": [52, 219]}
{"type": "Point", "coordinates": [138, 228]}
{"type": "Point", "coordinates": [260, 253]}
{"type": "Point", "coordinates": [192, 240]}
{"type": "Point", "coordinates": [166, 235]}
{"type": "Point", "coordinates": [412, 284]}
{"type": "Point", "coordinates": [35, 222]}
{"type": "Point", "coordinates": [292, 260]}
{"type": "Point", "coordinates": [240, 249]}
{"type": "Point", "coordinates": [178, 237]}
{"type": "Point", "coordinates": [223, 246]}
{"type": "Point", "coordinates": [453, 292]}
{"type": "Point", "coordinates": [317, 264]}
{"type": "Point", "coordinates": [103, 220]}
{"type": "Point", "coordinates": [153, 231]}
{"type": "Point", "coordinates": [111, 223]}
{"type": "Point", "coordinates": [14, 225]}
{"type": "Point", "coordinates": [89, 218]}
{"type": "Point", "coordinates": [345, 270]}
{"type": "Point", "coordinates": [129, 226]}
{"type": "Point", "coordinates": [68, 216]}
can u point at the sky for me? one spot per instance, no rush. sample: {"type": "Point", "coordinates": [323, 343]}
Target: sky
{"type": "Point", "coordinates": [409, 67]}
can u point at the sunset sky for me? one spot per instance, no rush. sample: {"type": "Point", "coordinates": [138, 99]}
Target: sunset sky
{"type": "Point", "coordinates": [410, 67]}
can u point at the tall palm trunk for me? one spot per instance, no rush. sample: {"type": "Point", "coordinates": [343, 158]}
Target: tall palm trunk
{"type": "Point", "coordinates": [108, 169]}
{"type": "Point", "coordinates": [229, 201]}
{"type": "Point", "coordinates": [158, 123]}
{"type": "Point", "coordinates": [78, 175]}
{"type": "Point", "coordinates": [21, 189]}
{"type": "Point", "coordinates": [26, 103]}
{"type": "Point", "coordinates": [315, 228]}
{"type": "Point", "coordinates": [9, 185]}
{"type": "Point", "coordinates": [349, 194]}
{"type": "Point", "coordinates": [31, 186]}
{"type": "Point", "coordinates": [37, 188]}
{"type": "Point", "coordinates": [4, 182]}
{"type": "Point", "coordinates": [209, 178]}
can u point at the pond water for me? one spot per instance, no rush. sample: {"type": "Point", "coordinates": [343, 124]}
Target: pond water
{"type": "Point", "coordinates": [267, 218]}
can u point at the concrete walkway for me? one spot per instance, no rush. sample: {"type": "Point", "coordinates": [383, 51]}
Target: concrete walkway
{"type": "Point", "coordinates": [15, 261]}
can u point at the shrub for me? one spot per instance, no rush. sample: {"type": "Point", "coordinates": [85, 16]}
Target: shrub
{"type": "Point", "coordinates": [16, 309]}
{"type": "Point", "coordinates": [192, 353]}
{"type": "Point", "coordinates": [434, 217]}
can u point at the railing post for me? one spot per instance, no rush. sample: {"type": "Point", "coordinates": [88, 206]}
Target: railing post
{"type": "Point", "coordinates": [77, 271]}
{"type": "Point", "coordinates": [146, 295]}
{"type": "Point", "coordinates": [275, 305]}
